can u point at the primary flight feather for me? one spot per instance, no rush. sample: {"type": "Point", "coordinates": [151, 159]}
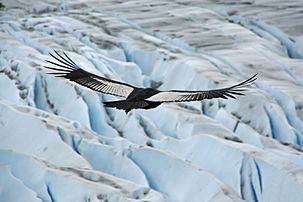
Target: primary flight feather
{"type": "Point", "coordinates": [145, 98]}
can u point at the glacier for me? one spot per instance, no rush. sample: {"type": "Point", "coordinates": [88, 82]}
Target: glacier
{"type": "Point", "coordinates": [59, 143]}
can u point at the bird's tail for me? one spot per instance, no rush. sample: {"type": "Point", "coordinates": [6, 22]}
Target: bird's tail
{"type": "Point", "coordinates": [125, 105]}
{"type": "Point", "coordinates": [115, 104]}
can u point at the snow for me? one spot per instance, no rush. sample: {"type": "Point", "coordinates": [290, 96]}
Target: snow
{"type": "Point", "coordinates": [59, 143]}
{"type": "Point", "coordinates": [181, 181]}
{"type": "Point", "coordinates": [8, 180]}
{"type": "Point", "coordinates": [51, 183]}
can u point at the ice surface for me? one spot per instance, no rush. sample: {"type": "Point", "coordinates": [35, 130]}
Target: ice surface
{"type": "Point", "coordinates": [59, 143]}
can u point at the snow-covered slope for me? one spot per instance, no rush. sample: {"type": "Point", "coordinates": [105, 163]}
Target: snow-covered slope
{"type": "Point", "coordinates": [59, 143]}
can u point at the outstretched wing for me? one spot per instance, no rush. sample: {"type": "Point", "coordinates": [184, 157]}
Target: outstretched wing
{"type": "Point", "coordinates": [68, 69]}
{"type": "Point", "coordinates": [185, 96]}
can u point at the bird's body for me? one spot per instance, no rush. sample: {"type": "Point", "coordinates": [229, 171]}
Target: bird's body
{"type": "Point", "coordinates": [136, 98]}
{"type": "Point", "coordinates": [141, 94]}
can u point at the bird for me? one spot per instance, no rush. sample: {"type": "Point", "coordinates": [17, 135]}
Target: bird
{"type": "Point", "coordinates": [135, 97]}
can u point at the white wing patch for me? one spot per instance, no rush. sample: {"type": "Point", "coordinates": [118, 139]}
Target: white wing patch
{"type": "Point", "coordinates": [112, 88]}
{"type": "Point", "coordinates": [184, 96]}
{"type": "Point", "coordinates": [173, 96]}
{"type": "Point", "coordinates": [68, 69]}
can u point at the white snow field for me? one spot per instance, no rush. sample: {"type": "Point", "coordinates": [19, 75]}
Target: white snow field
{"type": "Point", "coordinates": [59, 144]}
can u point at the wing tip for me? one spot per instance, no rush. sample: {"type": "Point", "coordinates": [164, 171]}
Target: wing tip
{"type": "Point", "coordinates": [64, 62]}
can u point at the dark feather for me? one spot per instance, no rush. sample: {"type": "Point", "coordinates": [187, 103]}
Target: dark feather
{"type": "Point", "coordinates": [70, 70]}
{"type": "Point", "coordinates": [183, 96]}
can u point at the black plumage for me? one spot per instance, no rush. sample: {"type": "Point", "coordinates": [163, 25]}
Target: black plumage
{"type": "Point", "coordinates": [144, 98]}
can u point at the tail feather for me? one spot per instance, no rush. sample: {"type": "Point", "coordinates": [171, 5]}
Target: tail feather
{"type": "Point", "coordinates": [125, 105]}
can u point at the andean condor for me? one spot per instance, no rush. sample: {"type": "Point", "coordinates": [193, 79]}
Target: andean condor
{"type": "Point", "coordinates": [136, 98]}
